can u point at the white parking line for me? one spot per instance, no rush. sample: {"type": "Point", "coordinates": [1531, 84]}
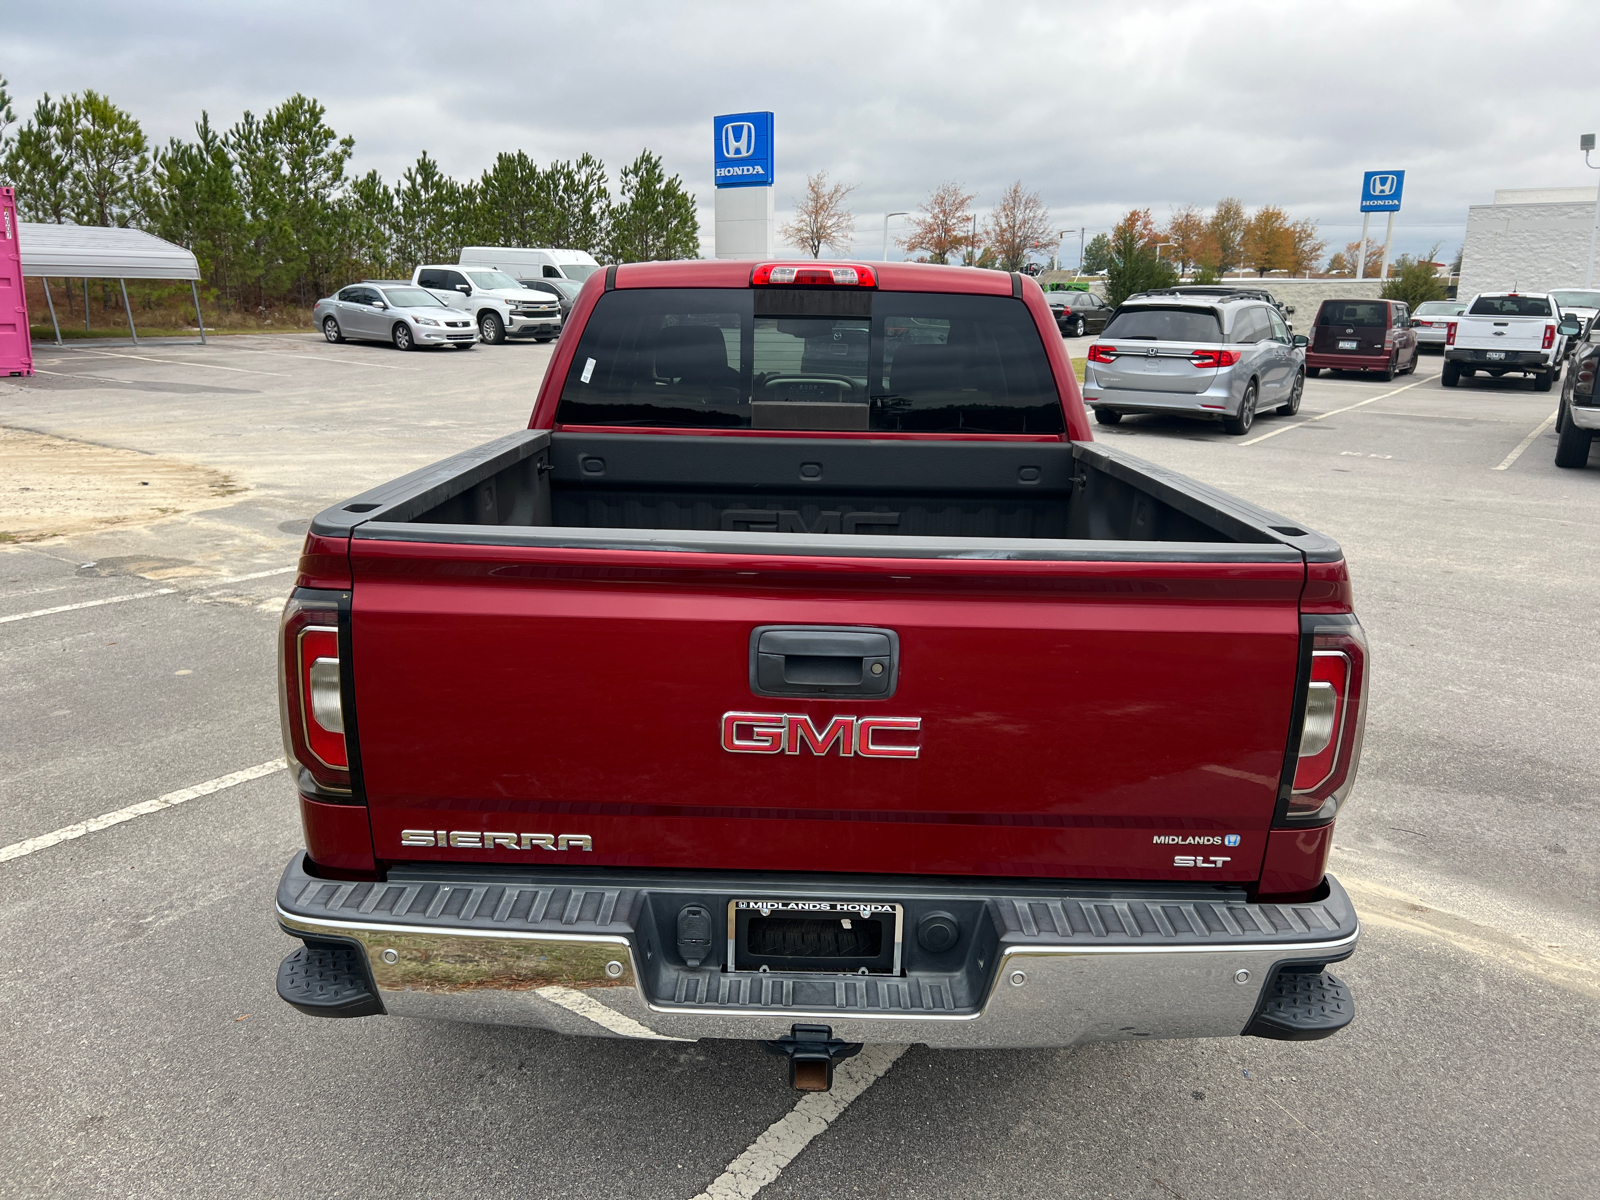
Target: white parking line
{"type": "Point", "coordinates": [783, 1140]}
{"type": "Point", "coordinates": [601, 1014]}
{"type": "Point", "coordinates": [61, 608]}
{"type": "Point", "coordinates": [1506, 462]}
{"type": "Point", "coordinates": [204, 583]}
{"type": "Point", "coordinates": [182, 362]}
{"type": "Point", "coordinates": [1335, 412]}
{"type": "Point", "coordinates": [171, 800]}
{"type": "Point", "coordinates": [252, 575]}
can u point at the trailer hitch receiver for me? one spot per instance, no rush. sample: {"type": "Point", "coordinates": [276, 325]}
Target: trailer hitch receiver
{"type": "Point", "coordinates": [812, 1051]}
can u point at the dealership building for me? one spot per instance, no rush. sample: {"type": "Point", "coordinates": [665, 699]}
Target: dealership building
{"type": "Point", "coordinates": [1529, 239]}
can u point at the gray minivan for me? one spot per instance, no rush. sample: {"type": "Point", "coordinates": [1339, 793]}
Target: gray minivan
{"type": "Point", "coordinates": [1219, 360]}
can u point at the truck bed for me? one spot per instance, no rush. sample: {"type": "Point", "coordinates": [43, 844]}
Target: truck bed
{"type": "Point", "coordinates": [1098, 656]}
{"type": "Point", "coordinates": [860, 498]}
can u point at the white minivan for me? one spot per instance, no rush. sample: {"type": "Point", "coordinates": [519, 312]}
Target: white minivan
{"type": "Point", "coordinates": [521, 263]}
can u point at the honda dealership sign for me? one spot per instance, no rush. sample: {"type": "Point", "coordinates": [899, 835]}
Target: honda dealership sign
{"type": "Point", "coordinates": [743, 154]}
{"type": "Point", "coordinates": [741, 157]}
{"type": "Point", "coordinates": [1380, 191]}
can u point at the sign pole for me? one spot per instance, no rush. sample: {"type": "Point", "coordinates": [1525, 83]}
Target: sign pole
{"type": "Point", "coordinates": [1361, 259]}
{"type": "Point", "coordinates": [1388, 237]}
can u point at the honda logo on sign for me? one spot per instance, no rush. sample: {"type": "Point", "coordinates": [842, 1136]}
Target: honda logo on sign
{"type": "Point", "coordinates": [1380, 190]}
{"type": "Point", "coordinates": [738, 139]}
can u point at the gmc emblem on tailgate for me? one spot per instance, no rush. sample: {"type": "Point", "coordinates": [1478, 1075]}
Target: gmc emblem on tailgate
{"type": "Point", "coordinates": [786, 733]}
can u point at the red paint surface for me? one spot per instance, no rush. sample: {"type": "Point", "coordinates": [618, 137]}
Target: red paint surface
{"type": "Point", "coordinates": [1295, 862]}
{"type": "Point", "coordinates": [16, 345]}
{"type": "Point", "coordinates": [1328, 588]}
{"type": "Point", "coordinates": [324, 563]}
{"type": "Point", "coordinates": [535, 690]}
{"type": "Point", "coordinates": [338, 836]}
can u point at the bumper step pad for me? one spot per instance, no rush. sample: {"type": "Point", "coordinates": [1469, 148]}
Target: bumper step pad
{"type": "Point", "coordinates": [1301, 1007]}
{"type": "Point", "coordinates": [328, 980]}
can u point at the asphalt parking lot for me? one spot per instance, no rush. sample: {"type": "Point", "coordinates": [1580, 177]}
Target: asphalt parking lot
{"type": "Point", "coordinates": [147, 1054]}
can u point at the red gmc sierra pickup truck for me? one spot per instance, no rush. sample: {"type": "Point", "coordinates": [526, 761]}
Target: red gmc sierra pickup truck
{"type": "Point", "coordinates": [805, 672]}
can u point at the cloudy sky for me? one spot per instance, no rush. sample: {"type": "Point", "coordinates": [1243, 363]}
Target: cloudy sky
{"type": "Point", "coordinates": [1098, 107]}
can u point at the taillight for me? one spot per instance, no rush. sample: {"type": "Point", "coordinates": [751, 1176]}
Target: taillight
{"type": "Point", "coordinates": [1549, 337]}
{"type": "Point", "coordinates": [1450, 334]}
{"type": "Point", "coordinates": [1585, 379]}
{"type": "Point", "coordinates": [1328, 750]}
{"type": "Point", "coordinates": [814, 275]}
{"type": "Point", "coordinates": [1102, 354]}
{"type": "Point", "coordinates": [311, 693]}
{"type": "Point", "coordinates": [1214, 358]}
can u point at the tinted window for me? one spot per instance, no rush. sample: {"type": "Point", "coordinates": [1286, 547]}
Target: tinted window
{"type": "Point", "coordinates": [431, 279]}
{"type": "Point", "coordinates": [551, 272]}
{"type": "Point", "coordinates": [1371, 314]}
{"type": "Point", "coordinates": [1510, 306]}
{"type": "Point", "coordinates": [1249, 325]}
{"type": "Point", "coordinates": [453, 279]}
{"type": "Point", "coordinates": [350, 294]}
{"type": "Point", "coordinates": [1165, 324]}
{"type": "Point", "coordinates": [920, 361]}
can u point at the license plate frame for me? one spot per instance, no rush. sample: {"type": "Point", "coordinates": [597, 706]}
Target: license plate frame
{"type": "Point", "coordinates": [887, 962]}
{"type": "Point", "coordinates": [1349, 345]}
{"type": "Point", "coordinates": [1494, 355]}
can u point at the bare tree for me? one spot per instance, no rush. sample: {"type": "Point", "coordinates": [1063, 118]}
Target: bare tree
{"type": "Point", "coordinates": [945, 226]}
{"type": "Point", "coordinates": [820, 218]}
{"type": "Point", "coordinates": [1019, 224]}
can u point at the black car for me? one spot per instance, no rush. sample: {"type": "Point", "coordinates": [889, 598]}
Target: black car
{"type": "Point", "coordinates": [1578, 415]}
{"type": "Point", "coordinates": [1222, 289]}
{"type": "Point", "coordinates": [1078, 313]}
{"type": "Point", "coordinates": [564, 290]}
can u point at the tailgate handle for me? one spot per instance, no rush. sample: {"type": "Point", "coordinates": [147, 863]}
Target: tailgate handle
{"type": "Point", "coordinates": [823, 660]}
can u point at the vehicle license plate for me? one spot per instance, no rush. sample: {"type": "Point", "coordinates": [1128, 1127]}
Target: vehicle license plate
{"type": "Point", "coordinates": [1348, 345]}
{"type": "Point", "coordinates": [855, 937]}
{"type": "Point", "coordinates": [1494, 355]}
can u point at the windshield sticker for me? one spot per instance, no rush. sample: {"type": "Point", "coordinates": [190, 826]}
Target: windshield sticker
{"type": "Point", "coordinates": [588, 370]}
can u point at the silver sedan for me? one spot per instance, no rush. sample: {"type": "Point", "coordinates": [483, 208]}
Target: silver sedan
{"type": "Point", "coordinates": [1432, 318]}
{"type": "Point", "coordinates": [405, 316]}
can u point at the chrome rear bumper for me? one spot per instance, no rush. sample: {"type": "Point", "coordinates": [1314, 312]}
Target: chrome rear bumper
{"type": "Point", "coordinates": [1046, 966]}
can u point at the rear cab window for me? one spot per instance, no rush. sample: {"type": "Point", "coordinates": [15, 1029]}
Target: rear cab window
{"type": "Point", "coordinates": [1165, 323]}
{"type": "Point", "coordinates": [1369, 314]}
{"type": "Point", "coordinates": [1510, 306]}
{"type": "Point", "coordinates": [747, 358]}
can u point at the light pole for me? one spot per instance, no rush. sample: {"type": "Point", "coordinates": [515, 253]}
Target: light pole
{"type": "Point", "coordinates": [1586, 144]}
{"type": "Point", "coordinates": [886, 216]}
{"type": "Point", "coordinates": [1061, 236]}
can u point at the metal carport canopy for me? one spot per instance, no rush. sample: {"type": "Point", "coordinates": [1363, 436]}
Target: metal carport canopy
{"type": "Point", "coordinates": [95, 252]}
{"type": "Point", "coordinates": [99, 252]}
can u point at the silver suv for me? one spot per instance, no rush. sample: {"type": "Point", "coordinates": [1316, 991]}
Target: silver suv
{"type": "Point", "coordinates": [1219, 360]}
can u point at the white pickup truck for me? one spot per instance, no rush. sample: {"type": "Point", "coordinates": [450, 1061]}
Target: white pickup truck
{"type": "Point", "coordinates": [499, 305]}
{"type": "Point", "coordinates": [1508, 332]}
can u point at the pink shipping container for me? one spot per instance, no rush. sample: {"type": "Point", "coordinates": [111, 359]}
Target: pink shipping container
{"type": "Point", "coordinates": [16, 347]}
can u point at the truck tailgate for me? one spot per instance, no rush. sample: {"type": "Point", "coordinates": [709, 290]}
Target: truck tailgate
{"type": "Point", "coordinates": [1094, 719]}
{"type": "Point", "coordinates": [1501, 333]}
